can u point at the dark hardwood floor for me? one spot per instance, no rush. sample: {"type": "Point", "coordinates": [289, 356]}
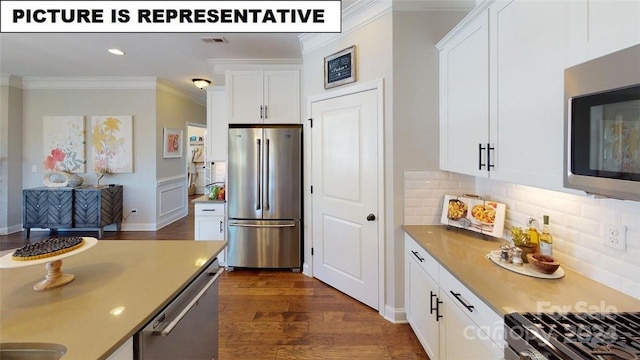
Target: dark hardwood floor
{"type": "Point", "coordinates": [281, 315]}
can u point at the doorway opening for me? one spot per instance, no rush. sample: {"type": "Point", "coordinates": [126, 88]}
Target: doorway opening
{"type": "Point", "coordinates": [195, 159]}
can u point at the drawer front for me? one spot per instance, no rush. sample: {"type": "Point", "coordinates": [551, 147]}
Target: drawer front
{"type": "Point", "coordinates": [482, 315]}
{"type": "Point", "coordinates": [206, 209]}
{"type": "Point", "coordinates": [422, 257]}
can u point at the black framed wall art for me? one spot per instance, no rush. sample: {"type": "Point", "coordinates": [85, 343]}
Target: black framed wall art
{"type": "Point", "coordinates": [340, 68]}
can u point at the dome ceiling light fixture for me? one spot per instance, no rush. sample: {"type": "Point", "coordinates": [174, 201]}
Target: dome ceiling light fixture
{"type": "Point", "coordinates": [201, 83]}
{"type": "Point", "coordinates": [115, 51]}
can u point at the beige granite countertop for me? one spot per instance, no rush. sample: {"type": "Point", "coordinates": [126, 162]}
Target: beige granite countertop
{"type": "Point", "coordinates": [205, 199]}
{"type": "Point", "coordinates": [462, 253]}
{"type": "Point", "coordinates": [139, 277]}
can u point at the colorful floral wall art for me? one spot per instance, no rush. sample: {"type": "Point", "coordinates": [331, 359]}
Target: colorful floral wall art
{"type": "Point", "coordinates": [64, 139]}
{"type": "Point", "coordinates": [112, 144]}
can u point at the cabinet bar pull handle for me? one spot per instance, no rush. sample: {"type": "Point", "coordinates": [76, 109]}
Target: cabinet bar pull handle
{"type": "Point", "coordinates": [261, 117]}
{"type": "Point", "coordinates": [489, 150]}
{"type": "Point", "coordinates": [438, 316]}
{"type": "Point", "coordinates": [464, 303]}
{"type": "Point", "coordinates": [266, 112]}
{"type": "Point", "coordinates": [221, 227]}
{"type": "Point", "coordinates": [415, 253]}
{"type": "Point", "coordinates": [432, 309]}
{"type": "Point", "coordinates": [208, 209]}
{"type": "Point", "coordinates": [480, 149]}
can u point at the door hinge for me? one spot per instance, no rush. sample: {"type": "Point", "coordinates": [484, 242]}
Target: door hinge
{"type": "Point", "coordinates": [312, 189]}
{"type": "Point", "coordinates": [310, 122]}
{"type": "Point", "coordinates": [311, 251]}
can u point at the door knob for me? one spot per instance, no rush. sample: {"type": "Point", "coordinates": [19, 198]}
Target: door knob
{"type": "Point", "coordinates": [371, 217]}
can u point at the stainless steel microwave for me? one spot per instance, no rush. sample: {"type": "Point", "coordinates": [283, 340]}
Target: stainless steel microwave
{"type": "Point", "coordinates": [602, 125]}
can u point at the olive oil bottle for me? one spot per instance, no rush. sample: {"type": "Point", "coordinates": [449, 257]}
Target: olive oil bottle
{"type": "Point", "coordinates": [546, 240]}
{"type": "Point", "coordinates": [534, 235]}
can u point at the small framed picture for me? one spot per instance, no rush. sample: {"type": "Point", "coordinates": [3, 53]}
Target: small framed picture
{"type": "Point", "coordinates": [172, 143]}
{"type": "Point", "coordinates": [340, 68]}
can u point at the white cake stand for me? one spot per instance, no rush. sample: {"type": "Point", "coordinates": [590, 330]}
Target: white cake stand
{"type": "Point", "coordinates": [55, 277]}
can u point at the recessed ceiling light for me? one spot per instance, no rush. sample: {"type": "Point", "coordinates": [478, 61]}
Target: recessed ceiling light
{"type": "Point", "coordinates": [116, 51]}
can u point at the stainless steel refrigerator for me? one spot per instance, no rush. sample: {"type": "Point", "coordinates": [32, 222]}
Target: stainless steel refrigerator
{"type": "Point", "coordinates": [264, 180]}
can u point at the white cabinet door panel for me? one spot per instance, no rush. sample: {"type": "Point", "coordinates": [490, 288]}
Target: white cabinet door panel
{"type": "Point", "coordinates": [527, 66]}
{"type": "Point", "coordinates": [421, 294]}
{"type": "Point", "coordinates": [462, 339]}
{"type": "Point", "coordinates": [464, 99]}
{"type": "Point", "coordinates": [282, 96]}
{"type": "Point", "coordinates": [244, 96]}
{"type": "Point", "coordinates": [217, 125]}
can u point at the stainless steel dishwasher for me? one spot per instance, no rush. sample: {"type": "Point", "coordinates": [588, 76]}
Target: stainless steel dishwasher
{"type": "Point", "coordinates": [187, 328]}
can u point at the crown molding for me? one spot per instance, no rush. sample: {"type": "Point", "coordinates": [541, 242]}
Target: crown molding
{"type": "Point", "coordinates": [200, 100]}
{"type": "Point", "coordinates": [433, 5]}
{"type": "Point", "coordinates": [220, 66]}
{"type": "Point", "coordinates": [472, 15]}
{"type": "Point", "coordinates": [359, 14]}
{"type": "Point", "coordinates": [98, 83]}
{"type": "Point", "coordinates": [10, 80]}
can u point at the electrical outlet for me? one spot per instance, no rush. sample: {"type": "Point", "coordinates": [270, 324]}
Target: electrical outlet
{"type": "Point", "coordinates": [615, 236]}
{"type": "Point", "coordinates": [134, 211]}
{"type": "Point", "coordinates": [34, 168]}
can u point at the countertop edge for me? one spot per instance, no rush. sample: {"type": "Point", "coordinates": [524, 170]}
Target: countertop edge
{"type": "Point", "coordinates": [205, 200]}
{"type": "Point", "coordinates": [442, 263]}
{"type": "Point", "coordinates": [587, 293]}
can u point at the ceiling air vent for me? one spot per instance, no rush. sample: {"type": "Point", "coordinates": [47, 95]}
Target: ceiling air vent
{"type": "Point", "coordinates": [214, 40]}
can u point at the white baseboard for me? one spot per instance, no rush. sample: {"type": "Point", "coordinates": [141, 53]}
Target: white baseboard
{"type": "Point", "coordinates": [10, 229]}
{"type": "Point", "coordinates": [395, 315]}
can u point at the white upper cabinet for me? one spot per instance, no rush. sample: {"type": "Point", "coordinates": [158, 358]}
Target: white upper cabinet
{"type": "Point", "coordinates": [501, 92]}
{"type": "Point", "coordinates": [601, 27]}
{"type": "Point", "coordinates": [527, 51]}
{"type": "Point", "coordinates": [263, 96]}
{"type": "Point", "coordinates": [464, 99]}
{"type": "Point", "coordinates": [217, 125]}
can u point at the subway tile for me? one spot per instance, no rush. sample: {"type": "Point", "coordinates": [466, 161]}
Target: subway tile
{"type": "Point", "coordinates": [576, 221]}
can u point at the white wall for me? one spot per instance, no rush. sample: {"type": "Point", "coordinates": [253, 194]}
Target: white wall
{"type": "Point", "coordinates": [398, 47]}
{"type": "Point", "coordinates": [10, 155]}
{"type": "Point", "coordinates": [576, 222]}
{"type": "Point", "coordinates": [152, 107]}
{"type": "Point", "coordinates": [139, 186]}
{"type": "Point", "coordinates": [374, 61]}
{"type": "Point", "coordinates": [415, 144]}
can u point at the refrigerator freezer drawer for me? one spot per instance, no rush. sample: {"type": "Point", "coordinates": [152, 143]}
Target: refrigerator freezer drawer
{"type": "Point", "coordinates": [264, 244]}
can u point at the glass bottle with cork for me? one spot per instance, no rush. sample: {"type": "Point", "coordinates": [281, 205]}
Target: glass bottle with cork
{"type": "Point", "coordinates": [546, 240]}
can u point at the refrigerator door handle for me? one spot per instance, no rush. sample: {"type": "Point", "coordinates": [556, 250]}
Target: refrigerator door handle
{"type": "Point", "coordinates": [258, 174]}
{"type": "Point", "coordinates": [267, 190]}
{"type": "Point", "coordinates": [263, 226]}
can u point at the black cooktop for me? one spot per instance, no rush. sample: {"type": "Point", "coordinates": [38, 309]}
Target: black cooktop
{"type": "Point", "coordinates": [577, 335]}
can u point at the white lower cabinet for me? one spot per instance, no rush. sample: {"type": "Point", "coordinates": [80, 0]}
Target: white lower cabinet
{"type": "Point", "coordinates": [210, 224]}
{"type": "Point", "coordinates": [448, 319]}
{"type": "Point", "coordinates": [421, 297]}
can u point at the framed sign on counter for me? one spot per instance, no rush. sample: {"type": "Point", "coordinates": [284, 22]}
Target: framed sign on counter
{"type": "Point", "coordinates": [340, 68]}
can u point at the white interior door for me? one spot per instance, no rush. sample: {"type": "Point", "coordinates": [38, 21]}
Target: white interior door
{"type": "Point", "coordinates": [345, 194]}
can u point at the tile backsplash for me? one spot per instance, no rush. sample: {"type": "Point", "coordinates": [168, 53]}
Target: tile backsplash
{"type": "Point", "coordinates": [577, 222]}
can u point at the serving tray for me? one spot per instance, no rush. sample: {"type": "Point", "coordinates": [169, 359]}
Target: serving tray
{"type": "Point", "coordinates": [525, 269]}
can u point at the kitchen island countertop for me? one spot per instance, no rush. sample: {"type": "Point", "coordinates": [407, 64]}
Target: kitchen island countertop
{"type": "Point", "coordinates": [462, 253]}
{"type": "Point", "coordinates": [205, 199]}
{"type": "Point", "coordinates": [119, 286]}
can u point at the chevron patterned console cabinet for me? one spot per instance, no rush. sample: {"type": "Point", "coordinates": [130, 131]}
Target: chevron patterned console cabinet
{"type": "Point", "coordinates": [86, 207]}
